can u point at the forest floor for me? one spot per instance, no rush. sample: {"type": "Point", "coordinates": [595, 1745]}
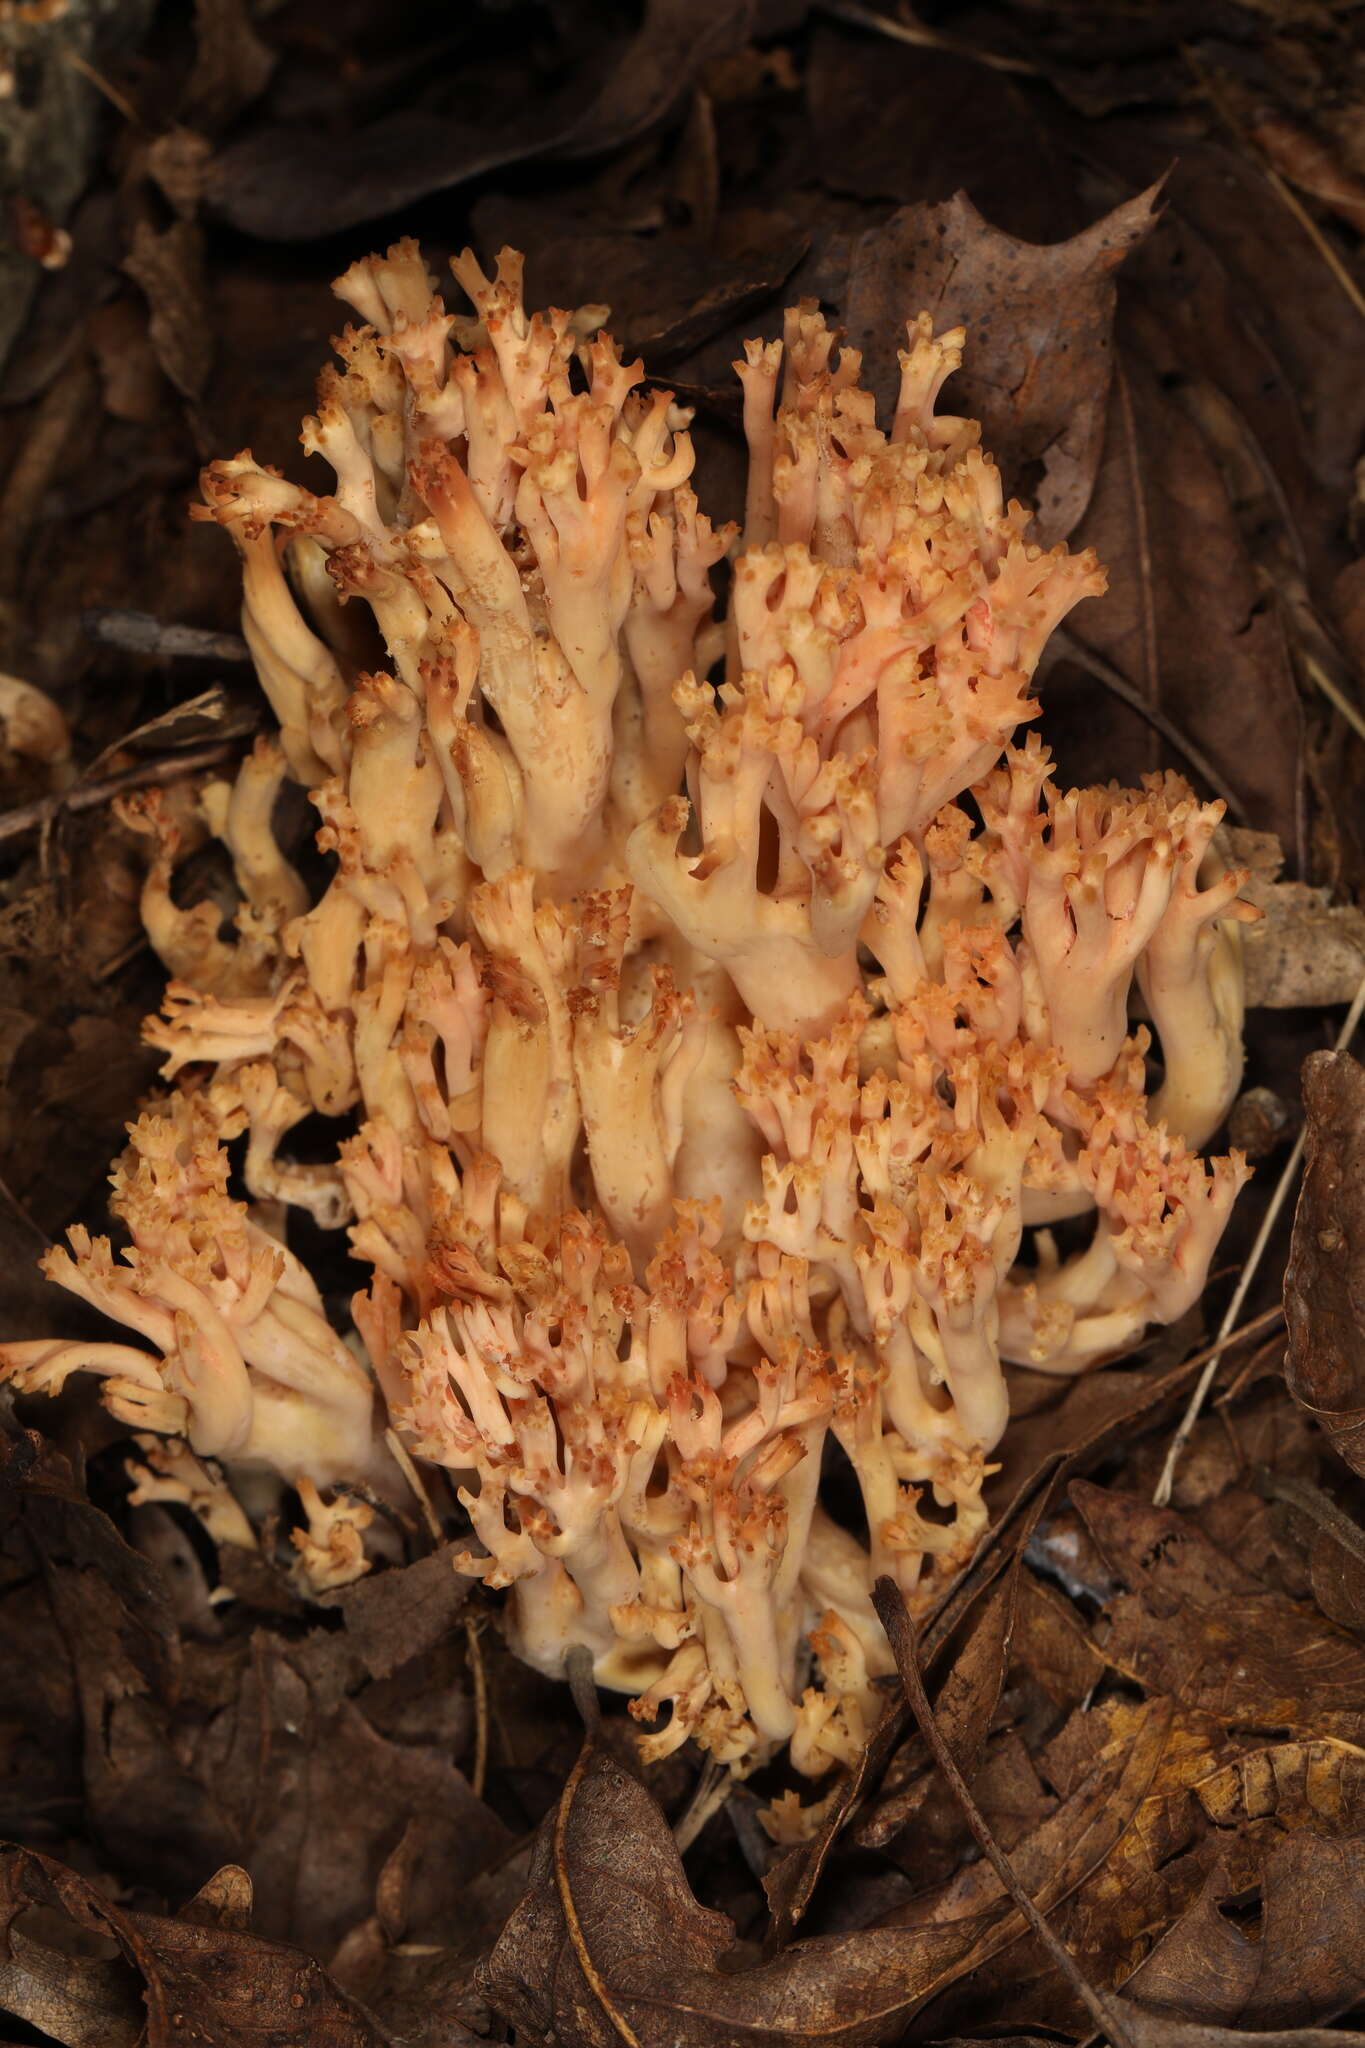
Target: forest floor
{"type": "Point", "coordinates": [243, 1818]}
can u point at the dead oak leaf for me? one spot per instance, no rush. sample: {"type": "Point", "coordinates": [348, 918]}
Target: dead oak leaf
{"type": "Point", "coordinates": [1039, 324]}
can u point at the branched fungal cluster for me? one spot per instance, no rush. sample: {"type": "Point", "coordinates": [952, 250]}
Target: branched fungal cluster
{"type": "Point", "coordinates": [718, 1011]}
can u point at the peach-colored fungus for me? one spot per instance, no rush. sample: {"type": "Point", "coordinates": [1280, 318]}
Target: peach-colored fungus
{"type": "Point", "coordinates": [715, 1055]}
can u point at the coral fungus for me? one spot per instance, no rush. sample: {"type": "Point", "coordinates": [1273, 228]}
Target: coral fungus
{"type": "Point", "coordinates": [716, 1012]}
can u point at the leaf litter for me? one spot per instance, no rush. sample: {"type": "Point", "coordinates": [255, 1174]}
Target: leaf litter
{"type": "Point", "coordinates": [1121, 1789]}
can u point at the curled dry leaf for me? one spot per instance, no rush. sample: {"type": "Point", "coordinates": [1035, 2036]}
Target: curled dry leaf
{"type": "Point", "coordinates": [609, 1936]}
{"type": "Point", "coordinates": [1319, 1783]}
{"type": "Point", "coordinates": [1324, 1284]}
{"type": "Point", "coordinates": [1301, 1964]}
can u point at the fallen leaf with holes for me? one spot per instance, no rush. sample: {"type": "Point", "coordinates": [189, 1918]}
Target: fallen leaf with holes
{"type": "Point", "coordinates": [1039, 359]}
{"type": "Point", "coordinates": [1297, 1963]}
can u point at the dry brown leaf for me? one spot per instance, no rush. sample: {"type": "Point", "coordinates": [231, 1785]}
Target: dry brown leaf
{"type": "Point", "coordinates": [1301, 1963]}
{"type": "Point", "coordinates": [1324, 1284]}
{"type": "Point", "coordinates": [1318, 1783]}
{"type": "Point", "coordinates": [289, 184]}
{"type": "Point", "coordinates": [168, 267]}
{"type": "Point", "coordinates": [1052, 1644]}
{"type": "Point", "coordinates": [1039, 360]}
{"type": "Point", "coordinates": [1197, 1628]}
{"type": "Point", "coordinates": [967, 1700]}
{"type": "Point", "coordinates": [609, 1935]}
{"type": "Point", "coordinates": [203, 1977]}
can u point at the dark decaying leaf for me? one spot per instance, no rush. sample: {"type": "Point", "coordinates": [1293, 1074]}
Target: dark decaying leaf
{"type": "Point", "coordinates": [231, 65]}
{"type": "Point", "coordinates": [320, 1800]}
{"type": "Point", "coordinates": [1333, 1544]}
{"type": "Point", "coordinates": [168, 267]}
{"type": "Point", "coordinates": [1157, 2030]}
{"type": "Point", "coordinates": [203, 1976]}
{"type": "Point", "coordinates": [1302, 1962]}
{"type": "Point", "coordinates": [1052, 1643]}
{"type": "Point", "coordinates": [604, 1938]}
{"type": "Point", "coordinates": [666, 302]}
{"type": "Point", "coordinates": [1039, 357]}
{"type": "Point", "coordinates": [252, 1747]}
{"type": "Point", "coordinates": [974, 131]}
{"type": "Point", "coordinates": [1324, 1284]}
{"type": "Point", "coordinates": [967, 1700]}
{"type": "Point", "coordinates": [119, 1666]}
{"type": "Point", "coordinates": [1338, 1576]}
{"type": "Point", "coordinates": [387, 1619]}
{"type": "Point", "coordinates": [1196, 1627]}
{"type": "Point", "coordinates": [288, 184]}
{"type": "Point", "coordinates": [1184, 620]}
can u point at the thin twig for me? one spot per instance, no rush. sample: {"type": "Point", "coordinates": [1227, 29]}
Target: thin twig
{"type": "Point", "coordinates": [88, 796]}
{"type": "Point", "coordinates": [712, 1791]}
{"type": "Point", "coordinates": [398, 1450]}
{"type": "Point", "coordinates": [1066, 644]}
{"type": "Point", "coordinates": [891, 1609]}
{"type": "Point", "coordinates": [479, 1769]}
{"type": "Point", "coordinates": [1162, 1495]}
{"type": "Point", "coordinates": [144, 633]}
{"type": "Point", "coordinates": [1257, 1327]}
{"type": "Point", "coordinates": [921, 38]}
{"type": "Point", "coordinates": [104, 85]}
{"type": "Point", "coordinates": [1147, 599]}
{"type": "Point", "coordinates": [1310, 1500]}
{"type": "Point", "coordinates": [1336, 697]}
